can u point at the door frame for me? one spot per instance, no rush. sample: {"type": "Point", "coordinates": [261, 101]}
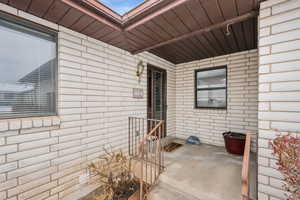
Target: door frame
{"type": "Point", "coordinates": [164, 96]}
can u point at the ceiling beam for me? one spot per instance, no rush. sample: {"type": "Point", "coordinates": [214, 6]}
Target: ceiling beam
{"type": "Point", "coordinates": [235, 20]}
{"type": "Point", "coordinates": [170, 6]}
{"type": "Point", "coordinates": [93, 15]}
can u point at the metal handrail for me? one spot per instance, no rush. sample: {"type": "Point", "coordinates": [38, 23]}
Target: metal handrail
{"type": "Point", "coordinates": [146, 147]}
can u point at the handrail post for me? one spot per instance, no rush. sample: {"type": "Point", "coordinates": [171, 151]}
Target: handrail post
{"type": "Point", "coordinates": [245, 169]}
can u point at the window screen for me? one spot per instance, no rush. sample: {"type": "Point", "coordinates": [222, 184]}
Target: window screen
{"type": "Point", "coordinates": [211, 88]}
{"type": "Point", "coordinates": [27, 71]}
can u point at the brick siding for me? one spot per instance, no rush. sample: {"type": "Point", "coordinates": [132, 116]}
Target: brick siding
{"type": "Point", "coordinates": [241, 113]}
{"type": "Point", "coordinates": [279, 86]}
{"type": "Point", "coordinates": [42, 158]}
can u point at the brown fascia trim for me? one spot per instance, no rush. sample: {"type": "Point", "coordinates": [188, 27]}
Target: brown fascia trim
{"type": "Point", "coordinates": [92, 14]}
{"type": "Point", "coordinates": [98, 6]}
{"type": "Point", "coordinates": [157, 13]}
{"type": "Point", "coordinates": [139, 9]}
{"type": "Point", "coordinates": [121, 19]}
{"type": "Point", "coordinates": [94, 9]}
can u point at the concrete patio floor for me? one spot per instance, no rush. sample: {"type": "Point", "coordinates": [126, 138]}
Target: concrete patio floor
{"type": "Point", "coordinates": [202, 172]}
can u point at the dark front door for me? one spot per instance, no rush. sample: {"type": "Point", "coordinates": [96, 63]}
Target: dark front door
{"type": "Point", "coordinates": [157, 98]}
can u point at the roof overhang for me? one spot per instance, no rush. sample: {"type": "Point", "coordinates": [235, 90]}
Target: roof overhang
{"type": "Point", "coordinates": [177, 30]}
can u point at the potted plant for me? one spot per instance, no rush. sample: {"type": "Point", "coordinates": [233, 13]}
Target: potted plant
{"type": "Point", "coordinates": [287, 150]}
{"type": "Point", "coordinates": [114, 173]}
{"type": "Point", "coordinates": [234, 142]}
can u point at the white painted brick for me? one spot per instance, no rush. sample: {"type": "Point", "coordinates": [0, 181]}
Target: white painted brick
{"type": "Point", "coordinates": [276, 183]}
{"type": "Point", "coordinates": [286, 106]}
{"type": "Point", "coordinates": [69, 31]}
{"type": "Point", "coordinates": [270, 190]}
{"type": "Point", "coordinates": [268, 134]}
{"type": "Point", "coordinates": [276, 77]}
{"type": "Point", "coordinates": [286, 86]}
{"type": "Point", "coordinates": [263, 179]}
{"type": "Point", "coordinates": [286, 126]}
{"type": "Point", "coordinates": [264, 124]}
{"type": "Point", "coordinates": [3, 194]}
{"type": "Point", "coordinates": [37, 174]}
{"type": "Point", "coordinates": [279, 116]}
{"type": "Point", "coordinates": [27, 137]}
{"type": "Point", "coordinates": [2, 141]}
{"type": "Point", "coordinates": [27, 154]}
{"type": "Point", "coordinates": [37, 20]}
{"type": "Point", "coordinates": [269, 172]}
{"type": "Point", "coordinates": [263, 106]}
{"type": "Point", "coordinates": [25, 187]}
{"type": "Point", "coordinates": [274, 198]}
{"type": "Point", "coordinates": [263, 161]}
{"type": "Point", "coordinates": [264, 31]}
{"type": "Point", "coordinates": [8, 184]}
{"type": "Point", "coordinates": [47, 122]}
{"type": "Point", "coordinates": [264, 50]}
{"type": "Point", "coordinates": [37, 122]}
{"type": "Point", "coordinates": [269, 3]}
{"type": "Point", "coordinates": [39, 143]}
{"type": "Point", "coordinates": [3, 125]}
{"type": "Point", "coordinates": [8, 167]}
{"type": "Point", "coordinates": [280, 57]}
{"type": "Point", "coordinates": [8, 149]}
{"type": "Point", "coordinates": [26, 123]}
{"type": "Point", "coordinates": [27, 170]}
{"type": "Point", "coordinates": [37, 159]}
{"type": "Point", "coordinates": [37, 190]}
{"type": "Point", "coordinates": [277, 96]}
{"type": "Point", "coordinates": [276, 19]}
{"type": "Point", "coordinates": [264, 13]}
{"type": "Point", "coordinates": [286, 66]}
{"type": "Point", "coordinates": [264, 87]}
{"type": "Point", "coordinates": [286, 46]}
{"type": "Point", "coordinates": [283, 37]}
{"type": "Point", "coordinates": [262, 196]}
{"type": "Point", "coordinates": [2, 159]}
{"type": "Point", "coordinates": [264, 69]}
{"type": "Point", "coordinates": [14, 124]}
{"type": "Point", "coordinates": [288, 5]}
{"type": "Point", "coordinates": [286, 26]}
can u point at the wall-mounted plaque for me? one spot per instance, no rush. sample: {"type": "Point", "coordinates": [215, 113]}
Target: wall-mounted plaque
{"type": "Point", "coordinates": [138, 93]}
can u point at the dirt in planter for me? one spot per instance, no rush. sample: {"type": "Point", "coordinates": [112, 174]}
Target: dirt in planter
{"type": "Point", "coordinates": [131, 193]}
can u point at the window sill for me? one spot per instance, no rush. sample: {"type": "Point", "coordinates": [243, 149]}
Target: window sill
{"type": "Point", "coordinates": [27, 123]}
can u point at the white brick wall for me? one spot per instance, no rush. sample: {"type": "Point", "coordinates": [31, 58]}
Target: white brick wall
{"type": "Point", "coordinates": [241, 113]}
{"type": "Point", "coordinates": [41, 158]}
{"type": "Point", "coordinates": [279, 80]}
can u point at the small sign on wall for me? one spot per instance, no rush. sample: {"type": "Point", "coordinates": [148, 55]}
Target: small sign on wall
{"type": "Point", "coordinates": [137, 93]}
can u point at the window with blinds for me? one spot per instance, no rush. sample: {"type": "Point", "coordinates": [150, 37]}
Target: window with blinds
{"type": "Point", "coordinates": [211, 88]}
{"type": "Point", "coordinates": [28, 65]}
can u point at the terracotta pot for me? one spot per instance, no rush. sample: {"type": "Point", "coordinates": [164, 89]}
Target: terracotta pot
{"type": "Point", "coordinates": [234, 142]}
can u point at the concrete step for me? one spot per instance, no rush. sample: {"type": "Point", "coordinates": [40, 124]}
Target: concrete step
{"type": "Point", "coordinates": [164, 191]}
{"type": "Point", "coordinates": [181, 189]}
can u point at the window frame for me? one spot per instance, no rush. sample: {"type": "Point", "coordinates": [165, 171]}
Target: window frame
{"type": "Point", "coordinates": [206, 89]}
{"type": "Point", "coordinates": [43, 29]}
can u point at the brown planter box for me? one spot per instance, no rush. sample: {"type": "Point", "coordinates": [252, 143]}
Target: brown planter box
{"type": "Point", "coordinates": [135, 196]}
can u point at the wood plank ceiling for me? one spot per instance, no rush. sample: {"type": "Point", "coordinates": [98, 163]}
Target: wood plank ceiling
{"type": "Point", "coordinates": [184, 18]}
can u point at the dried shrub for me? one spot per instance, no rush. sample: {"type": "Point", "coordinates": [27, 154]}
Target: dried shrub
{"type": "Point", "coordinates": [287, 149]}
{"type": "Point", "coordinates": [115, 174]}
